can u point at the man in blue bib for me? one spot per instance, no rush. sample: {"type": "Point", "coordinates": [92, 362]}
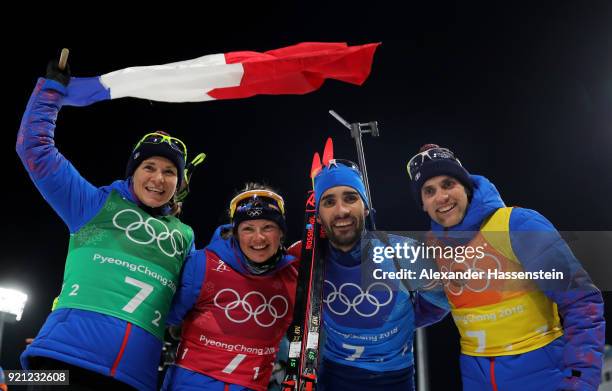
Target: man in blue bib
{"type": "Point", "coordinates": [369, 326]}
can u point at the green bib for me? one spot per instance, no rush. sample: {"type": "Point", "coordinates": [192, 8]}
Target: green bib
{"type": "Point", "coordinates": [126, 263]}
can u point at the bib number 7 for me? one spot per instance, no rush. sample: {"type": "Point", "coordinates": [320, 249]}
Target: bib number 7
{"type": "Point", "coordinates": [480, 336]}
{"type": "Point", "coordinates": [358, 351]}
{"type": "Point", "coordinates": [143, 293]}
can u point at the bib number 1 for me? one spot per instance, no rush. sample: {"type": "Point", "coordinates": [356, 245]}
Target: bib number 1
{"type": "Point", "coordinates": [234, 364]}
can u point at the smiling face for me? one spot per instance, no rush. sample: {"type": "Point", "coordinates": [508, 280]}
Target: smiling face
{"type": "Point", "coordinates": [445, 200]}
{"type": "Point", "coordinates": [259, 239]}
{"type": "Point", "coordinates": [154, 181]}
{"type": "Point", "coordinates": [342, 214]}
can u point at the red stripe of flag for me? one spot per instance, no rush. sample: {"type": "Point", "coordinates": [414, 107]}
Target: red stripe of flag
{"type": "Point", "coordinates": [298, 69]}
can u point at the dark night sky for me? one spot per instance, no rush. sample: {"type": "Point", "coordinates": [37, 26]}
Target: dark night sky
{"type": "Point", "coordinates": [521, 93]}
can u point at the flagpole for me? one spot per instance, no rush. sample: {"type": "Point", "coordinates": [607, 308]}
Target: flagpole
{"type": "Point", "coordinates": [63, 60]}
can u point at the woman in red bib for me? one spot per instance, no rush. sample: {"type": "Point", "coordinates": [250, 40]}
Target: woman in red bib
{"type": "Point", "coordinates": [236, 301]}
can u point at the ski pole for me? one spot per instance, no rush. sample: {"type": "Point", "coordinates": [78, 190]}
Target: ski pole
{"type": "Point", "coordinates": [357, 129]}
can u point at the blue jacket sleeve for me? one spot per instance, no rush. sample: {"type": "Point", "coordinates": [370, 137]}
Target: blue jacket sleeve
{"type": "Point", "coordinates": [430, 307]}
{"type": "Point", "coordinates": [72, 197]}
{"type": "Point", "coordinates": [430, 302]}
{"type": "Point", "coordinates": [192, 276]}
{"type": "Point", "coordinates": [539, 246]}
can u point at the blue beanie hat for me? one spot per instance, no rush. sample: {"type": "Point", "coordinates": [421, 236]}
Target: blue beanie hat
{"type": "Point", "coordinates": [337, 173]}
{"type": "Point", "coordinates": [438, 161]}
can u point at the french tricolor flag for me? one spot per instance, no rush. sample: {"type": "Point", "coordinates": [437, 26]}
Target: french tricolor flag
{"type": "Point", "coordinates": [297, 69]}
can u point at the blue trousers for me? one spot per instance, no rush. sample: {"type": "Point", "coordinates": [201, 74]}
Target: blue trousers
{"type": "Point", "coordinates": [538, 370]}
{"type": "Point", "coordinates": [338, 377]}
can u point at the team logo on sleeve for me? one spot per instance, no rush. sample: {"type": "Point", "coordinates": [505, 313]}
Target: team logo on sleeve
{"type": "Point", "coordinates": [222, 267]}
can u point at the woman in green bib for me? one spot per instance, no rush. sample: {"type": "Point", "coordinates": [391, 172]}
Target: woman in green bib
{"type": "Point", "coordinates": [126, 252]}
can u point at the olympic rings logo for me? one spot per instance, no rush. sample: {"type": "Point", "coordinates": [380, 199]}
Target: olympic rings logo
{"type": "Point", "coordinates": [272, 310]}
{"type": "Point", "coordinates": [357, 299]}
{"type": "Point", "coordinates": [169, 242]}
{"type": "Point", "coordinates": [456, 287]}
{"type": "Point", "coordinates": [255, 212]}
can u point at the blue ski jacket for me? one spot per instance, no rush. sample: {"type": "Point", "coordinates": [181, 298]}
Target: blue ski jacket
{"type": "Point", "coordinates": [570, 362]}
{"type": "Point", "coordinates": [90, 340]}
{"type": "Point", "coordinates": [371, 327]}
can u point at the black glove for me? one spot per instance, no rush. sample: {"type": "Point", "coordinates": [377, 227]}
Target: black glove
{"type": "Point", "coordinates": [54, 73]}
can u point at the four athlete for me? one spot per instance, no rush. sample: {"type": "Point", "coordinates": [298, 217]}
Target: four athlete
{"type": "Point", "coordinates": [132, 269]}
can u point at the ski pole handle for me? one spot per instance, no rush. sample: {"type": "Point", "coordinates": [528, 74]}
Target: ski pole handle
{"type": "Point", "coordinates": [63, 59]}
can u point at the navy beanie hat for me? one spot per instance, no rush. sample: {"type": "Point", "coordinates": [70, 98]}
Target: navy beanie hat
{"type": "Point", "coordinates": [339, 175]}
{"type": "Point", "coordinates": [434, 164]}
{"type": "Point", "coordinates": [164, 149]}
{"type": "Point", "coordinates": [259, 207]}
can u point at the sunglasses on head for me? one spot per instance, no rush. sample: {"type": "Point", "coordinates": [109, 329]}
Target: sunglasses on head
{"type": "Point", "coordinates": [158, 138]}
{"type": "Point", "coordinates": [344, 162]}
{"type": "Point", "coordinates": [252, 198]}
{"type": "Point", "coordinates": [415, 163]}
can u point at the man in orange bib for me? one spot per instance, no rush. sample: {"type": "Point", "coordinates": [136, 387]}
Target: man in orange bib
{"type": "Point", "coordinates": [530, 318]}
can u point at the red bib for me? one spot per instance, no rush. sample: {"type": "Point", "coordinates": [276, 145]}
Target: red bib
{"type": "Point", "coordinates": [233, 332]}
